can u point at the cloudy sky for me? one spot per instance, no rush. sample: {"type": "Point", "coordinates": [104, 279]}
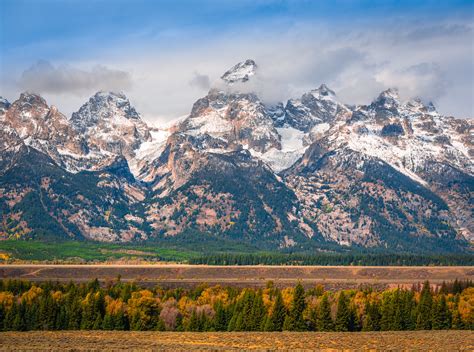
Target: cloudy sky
{"type": "Point", "coordinates": [165, 54]}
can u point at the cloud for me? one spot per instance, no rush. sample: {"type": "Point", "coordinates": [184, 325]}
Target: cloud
{"type": "Point", "coordinates": [436, 31]}
{"type": "Point", "coordinates": [200, 81]}
{"type": "Point", "coordinates": [43, 77]}
{"type": "Point", "coordinates": [357, 60]}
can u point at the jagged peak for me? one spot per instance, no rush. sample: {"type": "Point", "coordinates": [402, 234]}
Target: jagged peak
{"type": "Point", "coordinates": [109, 94]}
{"type": "Point", "coordinates": [240, 72]}
{"type": "Point", "coordinates": [31, 99]}
{"type": "Point", "coordinates": [430, 107]}
{"type": "Point", "coordinates": [418, 104]}
{"type": "Point", "coordinates": [323, 92]}
{"type": "Point", "coordinates": [391, 93]}
{"type": "Point", "coordinates": [105, 105]}
{"type": "Point", "coordinates": [4, 105]}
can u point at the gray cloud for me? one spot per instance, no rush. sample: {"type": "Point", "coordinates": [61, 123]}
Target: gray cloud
{"type": "Point", "coordinates": [43, 77]}
{"type": "Point", "coordinates": [200, 81]}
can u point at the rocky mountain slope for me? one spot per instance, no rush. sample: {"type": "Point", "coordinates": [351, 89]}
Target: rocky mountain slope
{"type": "Point", "coordinates": [312, 173]}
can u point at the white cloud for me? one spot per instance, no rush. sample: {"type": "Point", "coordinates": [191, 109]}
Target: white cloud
{"type": "Point", "coordinates": [357, 61]}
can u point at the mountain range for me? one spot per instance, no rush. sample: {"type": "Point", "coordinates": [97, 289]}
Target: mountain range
{"type": "Point", "coordinates": [310, 174]}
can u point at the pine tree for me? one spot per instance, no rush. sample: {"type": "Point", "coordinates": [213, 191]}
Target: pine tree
{"type": "Point", "coordinates": [160, 326]}
{"type": "Point", "coordinates": [75, 313]}
{"type": "Point", "coordinates": [343, 314]}
{"type": "Point", "coordinates": [441, 319]}
{"type": "Point", "coordinates": [372, 317]}
{"type": "Point", "coordinates": [354, 322]}
{"type": "Point", "coordinates": [277, 318]}
{"type": "Point", "coordinates": [10, 317]}
{"type": "Point", "coordinates": [396, 324]}
{"type": "Point", "coordinates": [325, 322]}
{"type": "Point", "coordinates": [408, 312]}
{"type": "Point", "coordinates": [108, 323]}
{"type": "Point", "coordinates": [257, 317]}
{"type": "Point", "coordinates": [179, 323]}
{"type": "Point", "coordinates": [121, 322]}
{"type": "Point", "coordinates": [313, 319]}
{"type": "Point", "coordinates": [19, 323]}
{"type": "Point", "coordinates": [220, 318]}
{"type": "Point", "coordinates": [423, 320]}
{"type": "Point", "coordinates": [386, 320]}
{"type": "Point", "coordinates": [2, 316]}
{"type": "Point", "coordinates": [457, 323]}
{"type": "Point", "coordinates": [47, 312]}
{"type": "Point", "coordinates": [295, 321]}
{"type": "Point", "coordinates": [194, 321]}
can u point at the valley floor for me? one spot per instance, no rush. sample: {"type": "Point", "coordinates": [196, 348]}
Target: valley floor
{"type": "Point", "coordinates": [182, 275]}
{"type": "Point", "coordinates": [236, 341]}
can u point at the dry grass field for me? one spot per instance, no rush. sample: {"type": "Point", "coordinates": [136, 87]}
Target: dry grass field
{"type": "Point", "coordinates": [174, 275]}
{"type": "Point", "coordinates": [169, 341]}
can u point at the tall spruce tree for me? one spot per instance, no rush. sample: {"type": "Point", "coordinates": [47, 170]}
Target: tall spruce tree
{"type": "Point", "coordinates": [325, 322]}
{"type": "Point", "coordinates": [343, 315]}
{"type": "Point", "coordinates": [295, 320]}
{"type": "Point", "coordinates": [372, 317]}
{"type": "Point", "coordinates": [441, 318]}
{"type": "Point", "coordinates": [277, 317]}
{"type": "Point", "coordinates": [423, 319]}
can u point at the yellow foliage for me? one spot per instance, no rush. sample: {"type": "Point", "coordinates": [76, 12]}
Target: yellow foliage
{"type": "Point", "coordinates": [185, 304]}
{"type": "Point", "coordinates": [30, 295]}
{"type": "Point", "coordinates": [4, 256]}
{"type": "Point", "coordinates": [359, 300]}
{"type": "Point", "coordinates": [114, 306]}
{"type": "Point", "coordinates": [6, 299]}
{"type": "Point", "coordinates": [287, 295]}
{"type": "Point", "coordinates": [57, 295]}
{"type": "Point", "coordinates": [466, 306]}
{"type": "Point", "coordinates": [213, 294]}
{"type": "Point", "coordinates": [266, 299]}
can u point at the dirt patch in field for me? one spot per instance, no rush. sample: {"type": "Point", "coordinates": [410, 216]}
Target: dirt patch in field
{"type": "Point", "coordinates": [209, 341]}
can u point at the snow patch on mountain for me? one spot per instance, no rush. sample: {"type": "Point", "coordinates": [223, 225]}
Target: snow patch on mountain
{"type": "Point", "coordinates": [240, 72]}
{"type": "Point", "coordinates": [292, 148]}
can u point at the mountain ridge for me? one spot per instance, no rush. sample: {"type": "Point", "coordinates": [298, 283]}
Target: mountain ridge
{"type": "Point", "coordinates": [303, 174]}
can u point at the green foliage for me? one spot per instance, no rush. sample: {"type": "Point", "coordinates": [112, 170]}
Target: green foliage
{"type": "Point", "coordinates": [56, 306]}
{"type": "Point", "coordinates": [325, 322]}
{"type": "Point", "coordinates": [277, 318]}
{"type": "Point", "coordinates": [343, 316]}
{"type": "Point", "coordinates": [295, 321]}
{"type": "Point", "coordinates": [424, 310]}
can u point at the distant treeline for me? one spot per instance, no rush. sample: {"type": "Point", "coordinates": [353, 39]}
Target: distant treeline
{"type": "Point", "coordinates": [335, 259]}
{"type": "Point", "coordinates": [126, 306]}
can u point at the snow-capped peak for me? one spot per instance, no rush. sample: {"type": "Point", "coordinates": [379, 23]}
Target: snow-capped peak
{"type": "Point", "coordinates": [388, 98]}
{"type": "Point", "coordinates": [323, 92]}
{"type": "Point", "coordinates": [240, 72]}
{"type": "Point", "coordinates": [104, 106]}
{"type": "Point", "coordinates": [4, 105]}
{"type": "Point", "coordinates": [31, 99]}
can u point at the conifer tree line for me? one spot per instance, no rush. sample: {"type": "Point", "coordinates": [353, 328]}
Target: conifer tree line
{"type": "Point", "coordinates": [371, 259]}
{"type": "Point", "coordinates": [126, 306]}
